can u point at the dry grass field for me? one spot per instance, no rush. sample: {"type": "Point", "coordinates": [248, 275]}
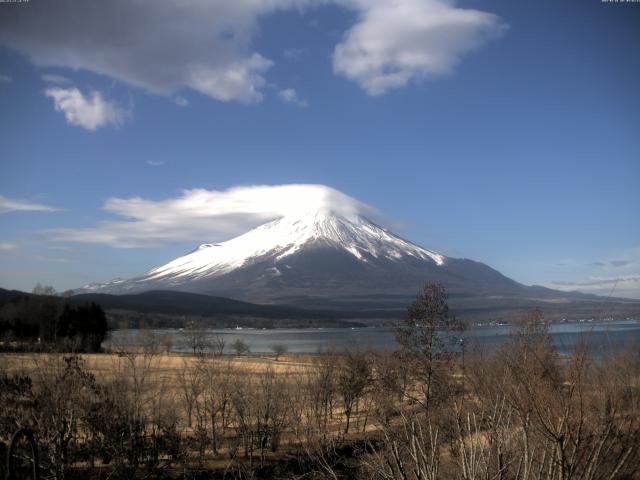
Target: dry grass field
{"type": "Point", "coordinates": [520, 413]}
{"type": "Point", "coordinates": [166, 364]}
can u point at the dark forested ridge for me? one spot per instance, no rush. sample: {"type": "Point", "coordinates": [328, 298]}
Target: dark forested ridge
{"type": "Point", "coordinates": [50, 322]}
{"type": "Point", "coordinates": [183, 303]}
{"type": "Point", "coordinates": [348, 311]}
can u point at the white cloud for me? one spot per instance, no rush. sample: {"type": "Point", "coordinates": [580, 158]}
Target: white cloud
{"type": "Point", "coordinates": [201, 215]}
{"type": "Point", "coordinates": [208, 46]}
{"type": "Point", "coordinates": [7, 247]}
{"type": "Point", "coordinates": [396, 42]}
{"type": "Point", "coordinates": [240, 80]}
{"type": "Point", "coordinates": [89, 112]}
{"type": "Point", "coordinates": [154, 163]}
{"type": "Point", "coordinates": [289, 95]}
{"type": "Point", "coordinates": [5, 78]}
{"type": "Point", "coordinates": [18, 205]}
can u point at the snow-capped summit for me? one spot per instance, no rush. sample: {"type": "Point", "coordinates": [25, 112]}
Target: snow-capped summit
{"type": "Point", "coordinates": [284, 237]}
{"type": "Point", "coordinates": [313, 258]}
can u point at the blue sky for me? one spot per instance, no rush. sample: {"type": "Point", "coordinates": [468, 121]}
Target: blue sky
{"type": "Point", "coordinates": [505, 132]}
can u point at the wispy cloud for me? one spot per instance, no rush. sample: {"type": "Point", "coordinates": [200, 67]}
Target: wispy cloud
{"type": "Point", "coordinates": [56, 79]}
{"type": "Point", "coordinates": [89, 112]}
{"type": "Point", "coordinates": [621, 263]}
{"type": "Point", "coordinates": [44, 258]}
{"type": "Point", "coordinates": [201, 215]}
{"type": "Point", "coordinates": [5, 78]}
{"type": "Point", "coordinates": [60, 248]}
{"type": "Point", "coordinates": [610, 265]}
{"type": "Point", "coordinates": [154, 163]}
{"type": "Point", "coordinates": [19, 205]}
{"type": "Point", "coordinates": [7, 247]}
{"type": "Point", "coordinates": [290, 96]}
{"type": "Point", "coordinates": [618, 275]}
{"type": "Point", "coordinates": [621, 286]}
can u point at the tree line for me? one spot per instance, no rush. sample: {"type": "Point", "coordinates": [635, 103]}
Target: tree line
{"type": "Point", "coordinates": [45, 321]}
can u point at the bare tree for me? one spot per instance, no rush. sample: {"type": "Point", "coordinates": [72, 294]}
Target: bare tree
{"type": "Point", "coordinates": [427, 338]}
{"type": "Point", "coordinates": [353, 377]}
{"type": "Point", "coordinates": [535, 418]}
{"type": "Point", "coordinates": [135, 388]}
{"type": "Point", "coordinates": [321, 387]}
{"type": "Point", "coordinates": [65, 392]}
{"type": "Point", "coordinates": [195, 339]}
{"type": "Point", "coordinates": [390, 381]}
{"type": "Point", "coordinates": [217, 381]}
{"type": "Point", "coordinates": [190, 383]}
{"type": "Point", "coordinates": [272, 400]}
{"type": "Point", "coordinates": [216, 345]}
{"type": "Point", "coordinates": [46, 290]}
{"type": "Point", "coordinates": [409, 452]}
{"type": "Point", "coordinates": [279, 349]}
{"type": "Point", "coordinates": [240, 347]}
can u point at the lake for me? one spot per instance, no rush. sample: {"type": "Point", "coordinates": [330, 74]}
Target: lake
{"type": "Point", "coordinates": [602, 337]}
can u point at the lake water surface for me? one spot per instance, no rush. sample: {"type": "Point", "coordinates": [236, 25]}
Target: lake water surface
{"type": "Point", "coordinates": [602, 337]}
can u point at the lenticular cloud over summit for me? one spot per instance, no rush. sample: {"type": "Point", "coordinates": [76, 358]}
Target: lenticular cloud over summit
{"type": "Point", "coordinates": [200, 215]}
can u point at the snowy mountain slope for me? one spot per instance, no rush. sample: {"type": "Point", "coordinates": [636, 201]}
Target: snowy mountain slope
{"type": "Point", "coordinates": [318, 259]}
{"type": "Point", "coordinates": [286, 236]}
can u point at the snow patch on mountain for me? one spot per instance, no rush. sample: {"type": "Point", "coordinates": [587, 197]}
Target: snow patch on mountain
{"type": "Point", "coordinates": [95, 286]}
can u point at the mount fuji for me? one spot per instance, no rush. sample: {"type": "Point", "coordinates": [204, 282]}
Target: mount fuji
{"type": "Point", "coordinates": [321, 259]}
